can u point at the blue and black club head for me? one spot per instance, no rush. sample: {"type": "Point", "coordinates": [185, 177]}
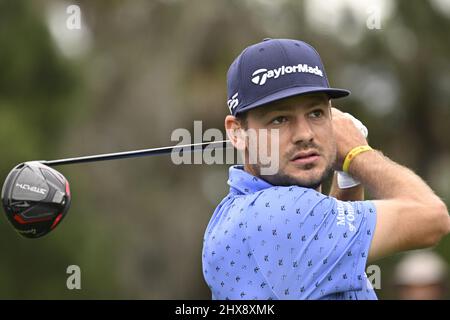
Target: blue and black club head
{"type": "Point", "coordinates": [35, 198]}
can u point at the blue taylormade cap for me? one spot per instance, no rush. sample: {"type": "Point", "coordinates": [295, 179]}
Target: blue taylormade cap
{"type": "Point", "coordinates": [275, 69]}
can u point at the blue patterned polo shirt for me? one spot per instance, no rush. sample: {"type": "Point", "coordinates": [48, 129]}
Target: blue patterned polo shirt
{"type": "Point", "coordinates": [274, 242]}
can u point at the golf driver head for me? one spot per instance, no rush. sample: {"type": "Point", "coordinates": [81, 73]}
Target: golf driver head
{"type": "Point", "coordinates": [35, 198]}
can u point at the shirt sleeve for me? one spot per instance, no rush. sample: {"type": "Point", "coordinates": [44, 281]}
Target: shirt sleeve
{"type": "Point", "coordinates": [309, 245]}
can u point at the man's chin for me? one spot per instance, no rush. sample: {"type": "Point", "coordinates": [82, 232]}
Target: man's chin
{"type": "Point", "coordinates": [309, 183]}
{"type": "Point", "coordinates": [311, 177]}
{"type": "Point", "coordinates": [290, 180]}
{"type": "Point", "coordinates": [308, 179]}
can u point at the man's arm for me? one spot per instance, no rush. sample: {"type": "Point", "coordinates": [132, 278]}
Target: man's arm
{"type": "Point", "coordinates": [350, 194]}
{"type": "Point", "coordinates": [409, 214]}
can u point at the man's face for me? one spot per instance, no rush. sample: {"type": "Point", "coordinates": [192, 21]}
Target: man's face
{"type": "Point", "coordinates": [306, 149]}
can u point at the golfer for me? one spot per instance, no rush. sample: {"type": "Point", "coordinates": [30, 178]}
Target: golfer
{"type": "Point", "coordinates": [276, 236]}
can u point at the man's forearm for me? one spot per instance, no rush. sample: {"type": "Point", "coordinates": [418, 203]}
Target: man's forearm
{"type": "Point", "coordinates": [408, 213]}
{"type": "Point", "coordinates": [350, 194]}
{"type": "Point", "coordinates": [385, 179]}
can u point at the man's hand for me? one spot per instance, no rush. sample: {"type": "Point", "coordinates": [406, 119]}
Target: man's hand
{"type": "Point", "coordinates": [347, 136]}
{"type": "Point", "coordinates": [343, 179]}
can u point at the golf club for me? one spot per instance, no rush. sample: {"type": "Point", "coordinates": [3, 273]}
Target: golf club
{"type": "Point", "coordinates": [36, 197]}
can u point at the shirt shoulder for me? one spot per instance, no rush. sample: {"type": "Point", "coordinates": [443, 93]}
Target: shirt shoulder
{"type": "Point", "coordinates": [290, 195]}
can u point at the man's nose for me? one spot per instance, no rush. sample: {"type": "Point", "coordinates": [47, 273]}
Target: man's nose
{"type": "Point", "coordinates": [302, 131]}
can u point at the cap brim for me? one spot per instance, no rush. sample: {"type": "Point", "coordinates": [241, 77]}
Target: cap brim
{"type": "Point", "coordinates": [333, 93]}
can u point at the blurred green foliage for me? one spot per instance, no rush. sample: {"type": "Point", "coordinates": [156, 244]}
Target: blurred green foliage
{"type": "Point", "coordinates": [148, 67]}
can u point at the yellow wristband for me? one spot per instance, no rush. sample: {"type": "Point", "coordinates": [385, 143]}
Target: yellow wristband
{"type": "Point", "coordinates": [352, 154]}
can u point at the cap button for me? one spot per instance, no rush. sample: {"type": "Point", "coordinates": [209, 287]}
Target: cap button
{"type": "Point", "coordinates": [267, 39]}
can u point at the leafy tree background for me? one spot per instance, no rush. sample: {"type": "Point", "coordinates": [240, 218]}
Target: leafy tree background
{"type": "Point", "coordinates": [139, 69]}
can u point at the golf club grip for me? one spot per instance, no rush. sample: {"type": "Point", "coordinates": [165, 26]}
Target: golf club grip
{"type": "Point", "coordinates": [140, 153]}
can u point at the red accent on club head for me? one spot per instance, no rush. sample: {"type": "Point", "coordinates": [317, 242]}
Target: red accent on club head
{"type": "Point", "coordinates": [20, 220]}
{"type": "Point", "coordinates": [55, 223]}
{"type": "Point", "coordinates": [67, 188]}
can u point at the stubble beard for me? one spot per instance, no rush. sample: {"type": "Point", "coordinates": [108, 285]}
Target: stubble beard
{"type": "Point", "coordinates": [283, 179]}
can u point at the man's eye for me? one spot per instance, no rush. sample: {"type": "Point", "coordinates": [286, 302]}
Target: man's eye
{"type": "Point", "coordinates": [317, 113]}
{"type": "Point", "coordinates": [278, 120]}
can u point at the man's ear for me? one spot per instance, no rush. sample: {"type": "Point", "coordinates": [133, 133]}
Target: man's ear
{"type": "Point", "coordinates": [235, 132]}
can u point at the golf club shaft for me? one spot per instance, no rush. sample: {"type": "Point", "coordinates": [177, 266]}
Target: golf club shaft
{"type": "Point", "coordinates": [140, 153]}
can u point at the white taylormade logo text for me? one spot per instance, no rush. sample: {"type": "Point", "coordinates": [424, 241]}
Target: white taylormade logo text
{"type": "Point", "coordinates": [260, 76]}
{"type": "Point", "coordinates": [233, 102]}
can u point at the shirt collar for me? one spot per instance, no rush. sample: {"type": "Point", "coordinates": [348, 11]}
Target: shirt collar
{"type": "Point", "coordinates": [242, 182]}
